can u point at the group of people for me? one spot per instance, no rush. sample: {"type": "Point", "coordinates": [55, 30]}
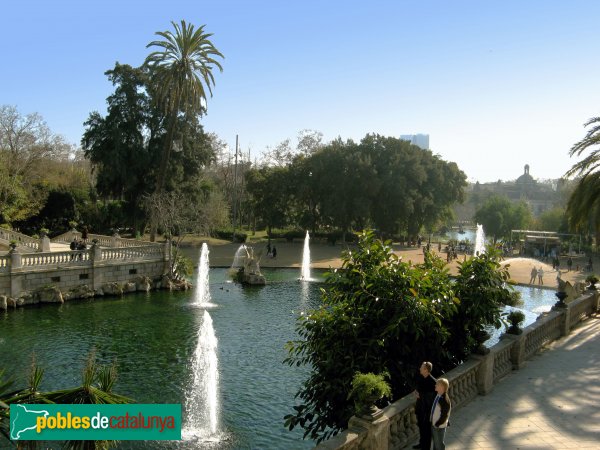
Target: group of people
{"type": "Point", "coordinates": [537, 273]}
{"type": "Point", "coordinates": [432, 408]}
{"type": "Point", "coordinates": [271, 252]}
{"type": "Point", "coordinates": [77, 244]}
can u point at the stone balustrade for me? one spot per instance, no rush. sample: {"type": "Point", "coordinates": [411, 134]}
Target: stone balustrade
{"type": "Point", "coordinates": [395, 427]}
{"type": "Point", "coordinates": [46, 259]}
{"type": "Point", "coordinates": [25, 272]}
{"type": "Point", "coordinates": [20, 238]}
{"type": "Point", "coordinates": [141, 252]}
{"type": "Point", "coordinates": [104, 240]}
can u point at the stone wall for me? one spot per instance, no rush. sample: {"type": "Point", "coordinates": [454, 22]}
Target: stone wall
{"type": "Point", "coordinates": [52, 276]}
{"type": "Point", "coordinates": [395, 427]}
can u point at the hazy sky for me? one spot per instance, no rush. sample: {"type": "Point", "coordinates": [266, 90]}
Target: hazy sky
{"type": "Point", "coordinates": [496, 84]}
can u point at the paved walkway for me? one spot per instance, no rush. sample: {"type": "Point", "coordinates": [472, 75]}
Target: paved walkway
{"type": "Point", "coordinates": [552, 403]}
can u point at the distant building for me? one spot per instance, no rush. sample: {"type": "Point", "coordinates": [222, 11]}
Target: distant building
{"type": "Point", "coordinates": [420, 140]}
{"type": "Point", "coordinates": [539, 196]}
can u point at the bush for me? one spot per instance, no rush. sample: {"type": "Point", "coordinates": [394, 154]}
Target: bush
{"type": "Point", "coordinates": [382, 315]}
{"type": "Point", "coordinates": [367, 388]}
{"type": "Point", "coordinates": [229, 236]}
{"type": "Point", "coordinates": [515, 318]}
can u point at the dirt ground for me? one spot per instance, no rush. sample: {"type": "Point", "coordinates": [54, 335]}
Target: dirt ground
{"type": "Point", "coordinates": [325, 256]}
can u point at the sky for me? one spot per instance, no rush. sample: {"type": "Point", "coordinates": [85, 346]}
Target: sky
{"type": "Point", "coordinates": [496, 84]}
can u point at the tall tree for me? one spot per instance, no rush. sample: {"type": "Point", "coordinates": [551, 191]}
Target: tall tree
{"type": "Point", "coordinates": [181, 74]}
{"type": "Point", "coordinates": [583, 209]}
{"type": "Point", "coordinates": [499, 215]}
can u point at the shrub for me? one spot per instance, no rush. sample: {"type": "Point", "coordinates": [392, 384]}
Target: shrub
{"type": "Point", "coordinates": [367, 388]}
{"type": "Point", "coordinates": [515, 318]}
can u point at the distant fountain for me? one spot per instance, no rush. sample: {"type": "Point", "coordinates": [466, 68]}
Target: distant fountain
{"type": "Point", "coordinates": [201, 402]}
{"type": "Point", "coordinates": [479, 241]}
{"type": "Point", "coordinates": [239, 257]}
{"type": "Point", "coordinates": [245, 268]}
{"type": "Point", "coordinates": [202, 296]}
{"type": "Point", "coordinates": [305, 273]}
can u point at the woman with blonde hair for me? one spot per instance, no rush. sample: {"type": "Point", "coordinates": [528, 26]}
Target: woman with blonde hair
{"type": "Point", "coordinates": [440, 414]}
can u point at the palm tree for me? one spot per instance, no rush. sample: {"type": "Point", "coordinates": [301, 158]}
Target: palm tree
{"type": "Point", "coordinates": [583, 208]}
{"type": "Point", "coordinates": [181, 74]}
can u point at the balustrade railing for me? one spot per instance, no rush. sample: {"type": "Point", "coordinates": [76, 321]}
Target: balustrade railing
{"type": "Point", "coordinates": [475, 376]}
{"type": "Point", "coordinates": [502, 361]}
{"type": "Point", "coordinates": [583, 306]}
{"type": "Point", "coordinates": [55, 258]}
{"type": "Point", "coordinates": [143, 252]}
{"type": "Point", "coordinates": [19, 238]}
{"type": "Point", "coordinates": [104, 240]}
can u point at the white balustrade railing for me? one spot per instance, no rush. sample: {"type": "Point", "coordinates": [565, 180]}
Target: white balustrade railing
{"type": "Point", "coordinates": [144, 252]}
{"type": "Point", "coordinates": [19, 238]}
{"type": "Point", "coordinates": [103, 240]}
{"type": "Point", "coordinates": [55, 258]}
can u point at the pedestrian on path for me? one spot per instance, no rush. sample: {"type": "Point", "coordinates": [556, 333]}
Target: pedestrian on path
{"type": "Point", "coordinates": [425, 393]}
{"type": "Point", "coordinates": [533, 275]}
{"type": "Point", "coordinates": [569, 264]}
{"type": "Point", "coordinates": [540, 274]}
{"type": "Point", "coordinates": [440, 414]}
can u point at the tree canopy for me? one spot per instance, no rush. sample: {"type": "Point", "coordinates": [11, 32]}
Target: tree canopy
{"type": "Point", "coordinates": [382, 315]}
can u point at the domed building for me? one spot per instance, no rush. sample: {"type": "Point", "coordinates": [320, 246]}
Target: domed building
{"type": "Point", "coordinates": [538, 195]}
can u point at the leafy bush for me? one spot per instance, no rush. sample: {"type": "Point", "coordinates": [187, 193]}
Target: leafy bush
{"type": "Point", "coordinates": [515, 318]}
{"type": "Point", "coordinates": [367, 388]}
{"type": "Point", "coordinates": [229, 236]}
{"type": "Point", "coordinates": [380, 314]}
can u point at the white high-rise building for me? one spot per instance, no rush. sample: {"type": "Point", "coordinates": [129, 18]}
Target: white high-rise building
{"type": "Point", "coordinates": [420, 140]}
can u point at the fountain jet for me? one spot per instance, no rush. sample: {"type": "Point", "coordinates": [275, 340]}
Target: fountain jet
{"type": "Point", "coordinates": [479, 248]}
{"type": "Point", "coordinates": [305, 273]}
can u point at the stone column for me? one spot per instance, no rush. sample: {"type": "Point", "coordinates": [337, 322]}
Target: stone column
{"type": "Point", "coordinates": [15, 275]}
{"type": "Point", "coordinates": [485, 374]}
{"type": "Point", "coordinates": [96, 257]}
{"type": "Point", "coordinates": [517, 351]}
{"type": "Point", "coordinates": [167, 256]}
{"type": "Point", "coordinates": [44, 244]}
{"type": "Point", "coordinates": [377, 426]}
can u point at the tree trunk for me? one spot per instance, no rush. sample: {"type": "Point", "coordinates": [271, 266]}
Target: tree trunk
{"type": "Point", "coordinates": [162, 173]}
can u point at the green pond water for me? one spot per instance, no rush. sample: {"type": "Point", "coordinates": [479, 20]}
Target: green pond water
{"type": "Point", "coordinates": [154, 337]}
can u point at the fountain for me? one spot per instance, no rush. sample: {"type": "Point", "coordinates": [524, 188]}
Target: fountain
{"type": "Point", "coordinates": [305, 273]}
{"type": "Point", "coordinates": [479, 248]}
{"type": "Point", "coordinates": [245, 268]}
{"type": "Point", "coordinates": [239, 256]}
{"type": "Point", "coordinates": [202, 295]}
{"type": "Point", "coordinates": [201, 403]}
{"type": "Point", "coordinates": [201, 400]}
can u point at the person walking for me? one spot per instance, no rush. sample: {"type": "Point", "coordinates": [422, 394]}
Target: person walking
{"type": "Point", "coordinates": [569, 264]}
{"type": "Point", "coordinates": [425, 393]}
{"type": "Point", "coordinates": [540, 274]}
{"type": "Point", "coordinates": [533, 275]}
{"type": "Point", "coordinates": [440, 414]}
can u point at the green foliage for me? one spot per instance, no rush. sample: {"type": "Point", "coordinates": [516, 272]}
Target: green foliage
{"type": "Point", "coordinates": [96, 388]}
{"type": "Point", "coordinates": [499, 215]}
{"type": "Point", "coordinates": [481, 286]}
{"type": "Point", "coordinates": [381, 181]}
{"type": "Point", "coordinates": [380, 314]}
{"type": "Point", "coordinates": [367, 388]}
{"type": "Point", "coordinates": [515, 319]}
{"type": "Point", "coordinates": [182, 266]}
{"type": "Point", "coordinates": [593, 279]}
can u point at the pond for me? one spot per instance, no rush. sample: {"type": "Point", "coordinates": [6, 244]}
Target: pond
{"type": "Point", "coordinates": [154, 338]}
